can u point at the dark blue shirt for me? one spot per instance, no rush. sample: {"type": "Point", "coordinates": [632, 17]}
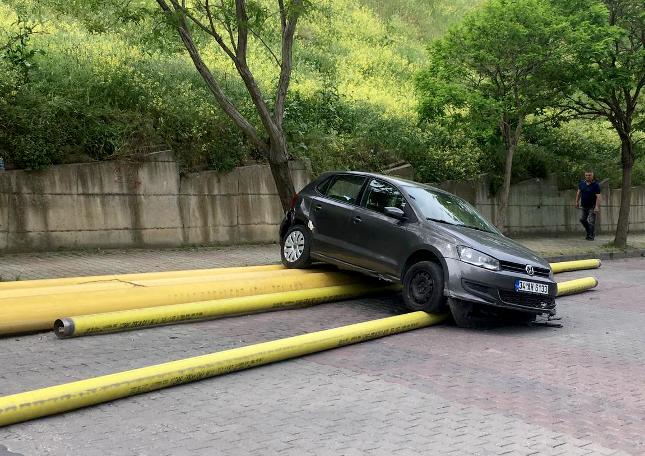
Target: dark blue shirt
{"type": "Point", "coordinates": [588, 193]}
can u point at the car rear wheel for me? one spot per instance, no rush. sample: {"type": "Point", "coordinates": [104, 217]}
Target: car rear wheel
{"type": "Point", "coordinates": [294, 248]}
{"type": "Point", "coordinates": [423, 287]}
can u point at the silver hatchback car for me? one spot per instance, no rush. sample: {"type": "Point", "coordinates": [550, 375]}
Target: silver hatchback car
{"type": "Point", "coordinates": [442, 251]}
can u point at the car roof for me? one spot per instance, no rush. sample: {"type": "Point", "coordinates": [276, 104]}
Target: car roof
{"type": "Point", "coordinates": [399, 181]}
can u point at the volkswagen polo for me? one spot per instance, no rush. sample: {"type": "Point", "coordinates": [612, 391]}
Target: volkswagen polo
{"type": "Point", "coordinates": [441, 250]}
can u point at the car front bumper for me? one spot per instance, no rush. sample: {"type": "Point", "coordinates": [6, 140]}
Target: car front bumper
{"type": "Point", "coordinates": [497, 288]}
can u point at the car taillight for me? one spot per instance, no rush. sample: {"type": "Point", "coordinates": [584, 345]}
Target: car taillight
{"type": "Point", "coordinates": [293, 201]}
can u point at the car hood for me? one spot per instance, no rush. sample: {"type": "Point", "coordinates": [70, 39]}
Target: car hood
{"type": "Point", "coordinates": [493, 244]}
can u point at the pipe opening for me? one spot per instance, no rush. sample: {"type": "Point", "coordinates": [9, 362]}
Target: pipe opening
{"type": "Point", "coordinates": [63, 327]}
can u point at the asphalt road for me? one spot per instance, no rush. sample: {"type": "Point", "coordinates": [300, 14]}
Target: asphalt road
{"type": "Point", "coordinates": [574, 390]}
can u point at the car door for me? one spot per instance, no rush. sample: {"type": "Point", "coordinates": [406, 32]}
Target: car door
{"type": "Point", "coordinates": [380, 242]}
{"type": "Point", "coordinates": [331, 209]}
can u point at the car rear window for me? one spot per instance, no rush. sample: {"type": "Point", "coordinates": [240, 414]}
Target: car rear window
{"type": "Point", "coordinates": [345, 188]}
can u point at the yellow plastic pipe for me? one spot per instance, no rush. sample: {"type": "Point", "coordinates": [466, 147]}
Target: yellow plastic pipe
{"type": "Point", "coordinates": [565, 266]}
{"type": "Point", "coordinates": [57, 399]}
{"type": "Point", "coordinates": [576, 286]}
{"type": "Point", "coordinates": [34, 313]}
{"type": "Point", "coordinates": [153, 316]}
{"type": "Point", "coordinates": [154, 282]}
{"type": "Point", "coordinates": [20, 284]}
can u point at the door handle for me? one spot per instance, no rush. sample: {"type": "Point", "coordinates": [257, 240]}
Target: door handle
{"type": "Point", "coordinates": [317, 207]}
{"type": "Point", "coordinates": [357, 219]}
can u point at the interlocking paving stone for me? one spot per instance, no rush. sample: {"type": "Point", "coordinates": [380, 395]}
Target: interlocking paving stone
{"type": "Point", "coordinates": [440, 390]}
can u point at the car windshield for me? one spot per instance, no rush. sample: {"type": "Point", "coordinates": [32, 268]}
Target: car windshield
{"type": "Point", "coordinates": [445, 208]}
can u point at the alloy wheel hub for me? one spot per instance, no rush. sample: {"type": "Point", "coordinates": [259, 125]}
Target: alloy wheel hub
{"type": "Point", "coordinates": [294, 245]}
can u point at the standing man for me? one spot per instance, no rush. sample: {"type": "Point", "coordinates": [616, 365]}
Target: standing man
{"type": "Point", "coordinates": [588, 200]}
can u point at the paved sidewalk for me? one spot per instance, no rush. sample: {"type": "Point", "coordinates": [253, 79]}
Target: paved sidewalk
{"type": "Point", "coordinates": [565, 247]}
{"type": "Point", "coordinates": [99, 262]}
{"type": "Point", "coordinates": [96, 262]}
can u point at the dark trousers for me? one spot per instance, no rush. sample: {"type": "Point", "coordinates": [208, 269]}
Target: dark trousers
{"type": "Point", "coordinates": [588, 220]}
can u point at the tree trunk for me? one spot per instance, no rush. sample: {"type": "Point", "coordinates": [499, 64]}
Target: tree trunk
{"type": "Point", "coordinates": [502, 210]}
{"type": "Point", "coordinates": [627, 160]}
{"type": "Point", "coordinates": [511, 137]}
{"type": "Point", "coordinates": [279, 163]}
{"type": "Point", "coordinates": [276, 152]}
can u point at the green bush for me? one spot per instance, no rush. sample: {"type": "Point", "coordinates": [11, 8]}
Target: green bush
{"type": "Point", "coordinates": [570, 149]}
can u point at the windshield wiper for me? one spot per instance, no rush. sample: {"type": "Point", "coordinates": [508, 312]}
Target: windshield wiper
{"type": "Point", "coordinates": [477, 228]}
{"type": "Point", "coordinates": [458, 224]}
{"type": "Point", "coordinates": [444, 221]}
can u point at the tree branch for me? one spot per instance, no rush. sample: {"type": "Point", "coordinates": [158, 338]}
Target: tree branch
{"type": "Point", "coordinates": [582, 108]}
{"type": "Point", "coordinates": [285, 68]}
{"type": "Point", "coordinates": [227, 26]}
{"type": "Point", "coordinates": [242, 29]}
{"type": "Point", "coordinates": [218, 38]}
{"type": "Point", "coordinates": [277, 61]}
{"type": "Point", "coordinates": [283, 16]}
{"type": "Point", "coordinates": [245, 73]}
{"type": "Point", "coordinates": [164, 6]}
{"type": "Point", "coordinates": [223, 101]}
{"type": "Point", "coordinates": [639, 86]}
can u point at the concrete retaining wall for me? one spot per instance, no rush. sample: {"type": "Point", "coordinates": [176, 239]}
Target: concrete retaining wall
{"type": "Point", "coordinates": [537, 206]}
{"type": "Point", "coordinates": [144, 204]}
{"type": "Point", "coordinates": [137, 204]}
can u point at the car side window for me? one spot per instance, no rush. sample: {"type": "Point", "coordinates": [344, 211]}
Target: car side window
{"type": "Point", "coordinates": [380, 195]}
{"type": "Point", "coordinates": [322, 187]}
{"type": "Point", "coordinates": [345, 188]}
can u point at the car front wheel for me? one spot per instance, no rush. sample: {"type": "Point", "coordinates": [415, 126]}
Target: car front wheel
{"type": "Point", "coordinates": [423, 287]}
{"type": "Point", "coordinates": [294, 248]}
{"type": "Point", "coordinates": [467, 315]}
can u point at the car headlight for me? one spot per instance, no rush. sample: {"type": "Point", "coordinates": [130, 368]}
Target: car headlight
{"type": "Point", "coordinates": [477, 258]}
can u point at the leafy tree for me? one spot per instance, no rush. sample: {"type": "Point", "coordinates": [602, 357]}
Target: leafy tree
{"type": "Point", "coordinates": [17, 63]}
{"type": "Point", "coordinates": [500, 65]}
{"type": "Point", "coordinates": [613, 64]}
{"type": "Point", "coordinates": [17, 51]}
{"type": "Point", "coordinates": [230, 25]}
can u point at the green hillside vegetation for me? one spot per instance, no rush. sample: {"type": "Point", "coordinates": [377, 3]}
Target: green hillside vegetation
{"type": "Point", "coordinates": [421, 19]}
{"type": "Point", "coordinates": [106, 81]}
{"type": "Point", "coordinates": [95, 80]}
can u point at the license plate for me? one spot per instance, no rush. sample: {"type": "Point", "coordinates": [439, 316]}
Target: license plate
{"type": "Point", "coordinates": [531, 287]}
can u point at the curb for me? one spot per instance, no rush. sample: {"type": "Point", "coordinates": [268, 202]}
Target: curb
{"type": "Point", "coordinates": [637, 253]}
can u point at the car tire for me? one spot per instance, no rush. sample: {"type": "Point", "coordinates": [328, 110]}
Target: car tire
{"type": "Point", "coordinates": [423, 287]}
{"type": "Point", "coordinates": [468, 315]}
{"type": "Point", "coordinates": [295, 246]}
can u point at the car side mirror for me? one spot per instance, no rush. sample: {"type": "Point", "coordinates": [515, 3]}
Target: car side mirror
{"type": "Point", "coordinates": [395, 212]}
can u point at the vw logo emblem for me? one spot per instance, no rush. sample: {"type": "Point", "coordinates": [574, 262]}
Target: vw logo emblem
{"type": "Point", "coordinates": [529, 269]}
